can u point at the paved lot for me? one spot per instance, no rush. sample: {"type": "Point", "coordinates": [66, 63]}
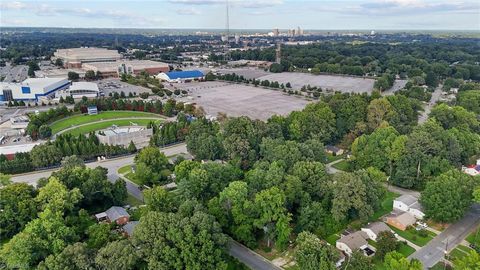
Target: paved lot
{"type": "Point", "coordinates": [238, 100]}
{"type": "Point", "coordinates": [14, 74]}
{"type": "Point", "coordinates": [112, 85]}
{"type": "Point", "coordinates": [340, 83]}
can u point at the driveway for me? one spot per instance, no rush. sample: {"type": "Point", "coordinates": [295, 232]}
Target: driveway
{"type": "Point", "coordinates": [434, 251]}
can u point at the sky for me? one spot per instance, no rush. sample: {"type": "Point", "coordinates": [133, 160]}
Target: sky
{"type": "Point", "coordinates": [246, 14]}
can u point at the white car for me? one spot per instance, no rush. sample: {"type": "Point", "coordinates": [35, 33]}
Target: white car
{"type": "Point", "coordinates": [422, 224]}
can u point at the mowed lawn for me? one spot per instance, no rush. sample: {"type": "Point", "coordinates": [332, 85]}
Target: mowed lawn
{"type": "Point", "coordinates": [80, 119]}
{"type": "Point", "coordinates": [106, 124]}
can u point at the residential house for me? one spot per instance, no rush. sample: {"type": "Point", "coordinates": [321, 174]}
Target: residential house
{"type": "Point", "coordinates": [336, 151]}
{"type": "Point", "coordinates": [409, 203]}
{"type": "Point", "coordinates": [374, 229]}
{"type": "Point", "coordinates": [401, 221]}
{"type": "Point", "coordinates": [115, 214]}
{"type": "Point", "coordinates": [355, 241]}
{"type": "Point", "coordinates": [473, 170]}
{"type": "Point", "coordinates": [129, 228]}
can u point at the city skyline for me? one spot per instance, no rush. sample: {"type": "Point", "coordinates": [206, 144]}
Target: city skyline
{"type": "Point", "coordinates": [260, 14]}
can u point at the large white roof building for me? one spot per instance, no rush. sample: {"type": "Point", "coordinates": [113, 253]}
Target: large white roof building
{"type": "Point", "coordinates": [74, 57]}
{"type": "Point", "coordinates": [32, 89]}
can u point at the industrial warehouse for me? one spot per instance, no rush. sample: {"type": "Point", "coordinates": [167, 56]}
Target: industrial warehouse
{"type": "Point", "coordinates": [75, 57]}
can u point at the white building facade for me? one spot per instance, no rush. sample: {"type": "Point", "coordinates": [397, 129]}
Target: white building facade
{"type": "Point", "coordinates": [32, 89]}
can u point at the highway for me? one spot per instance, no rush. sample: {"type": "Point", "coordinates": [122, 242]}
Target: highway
{"type": "Point", "coordinates": [434, 251]}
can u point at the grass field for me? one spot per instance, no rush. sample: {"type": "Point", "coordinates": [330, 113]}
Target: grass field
{"type": "Point", "coordinates": [331, 158]}
{"type": "Point", "coordinates": [343, 166]}
{"type": "Point", "coordinates": [127, 173]}
{"type": "Point", "coordinates": [83, 119]}
{"type": "Point", "coordinates": [458, 253]}
{"type": "Point", "coordinates": [413, 236]}
{"type": "Point", "coordinates": [386, 206]}
{"type": "Point", "coordinates": [474, 237]}
{"type": "Point", "coordinates": [103, 125]}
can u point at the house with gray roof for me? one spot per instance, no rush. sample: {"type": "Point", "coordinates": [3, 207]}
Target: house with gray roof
{"type": "Point", "coordinates": [374, 229]}
{"type": "Point", "coordinates": [409, 203]}
{"type": "Point", "coordinates": [129, 228]}
{"type": "Point", "coordinates": [355, 241]}
{"type": "Point", "coordinates": [115, 214]}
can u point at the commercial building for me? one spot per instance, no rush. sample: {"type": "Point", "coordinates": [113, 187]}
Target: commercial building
{"type": "Point", "coordinates": [181, 76]}
{"type": "Point", "coordinates": [75, 57]}
{"type": "Point", "coordinates": [125, 135]}
{"type": "Point", "coordinates": [133, 67]}
{"type": "Point", "coordinates": [32, 89]}
{"type": "Point", "coordinates": [83, 89]}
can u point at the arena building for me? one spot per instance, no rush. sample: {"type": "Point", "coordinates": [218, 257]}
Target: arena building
{"type": "Point", "coordinates": [133, 67]}
{"type": "Point", "coordinates": [32, 89]}
{"type": "Point", "coordinates": [75, 57]}
{"type": "Point", "coordinates": [181, 76]}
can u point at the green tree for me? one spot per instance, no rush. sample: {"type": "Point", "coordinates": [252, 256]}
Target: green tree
{"type": "Point", "coordinates": [45, 155]}
{"type": "Point", "coordinates": [316, 121]}
{"type": "Point", "coordinates": [174, 241]}
{"type": "Point", "coordinates": [131, 147]}
{"type": "Point", "coordinates": [56, 197]}
{"type": "Point", "coordinates": [90, 75]}
{"type": "Point", "coordinates": [74, 257]}
{"type": "Point", "coordinates": [349, 198]}
{"type": "Point", "coordinates": [73, 76]}
{"type": "Point", "coordinates": [357, 261]}
{"type": "Point", "coordinates": [386, 242]}
{"type": "Point", "coordinates": [312, 253]}
{"type": "Point", "coordinates": [59, 62]}
{"type": "Point", "coordinates": [469, 262]}
{"type": "Point", "coordinates": [272, 216]}
{"type": "Point", "coordinates": [396, 261]}
{"type": "Point", "coordinates": [117, 255]}
{"type": "Point", "coordinates": [5, 180]}
{"type": "Point", "coordinates": [18, 208]}
{"type": "Point", "coordinates": [378, 111]}
{"type": "Point", "coordinates": [159, 199]}
{"type": "Point", "coordinates": [447, 197]}
{"type": "Point", "coordinates": [41, 237]}
{"type": "Point", "coordinates": [71, 162]}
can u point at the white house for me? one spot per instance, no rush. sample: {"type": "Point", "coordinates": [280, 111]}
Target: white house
{"type": "Point", "coordinates": [410, 204]}
{"type": "Point", "coordinates": [355, 241]}
{"type": "Point", "coordinates": [374, 229]}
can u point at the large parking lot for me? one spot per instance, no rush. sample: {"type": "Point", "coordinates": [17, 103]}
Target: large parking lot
{"type": "Point", "coordinates": [298, 79]}
{"type": "Point", "coordinates": [238, 99]}
{"type": "Point", "coordinates": [340, 83]}
{"type": "Point", "coordinates": [108, 86]}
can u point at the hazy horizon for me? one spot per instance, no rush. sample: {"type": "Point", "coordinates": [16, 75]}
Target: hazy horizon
{"type": "Point", "coordinates": [379, 15]}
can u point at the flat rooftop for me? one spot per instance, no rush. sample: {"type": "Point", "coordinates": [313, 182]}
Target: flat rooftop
{"type": "Point", "coordinates": [87, 53]}
{"type": "Point", "coordinates": [136, 64]}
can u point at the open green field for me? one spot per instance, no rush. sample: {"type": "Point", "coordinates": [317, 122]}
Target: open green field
{"type": "Point", "coordinates": [106, 124]}
{"type": "Point", "coordinates": [343, 165]}
{"type": "Point", "coordinates": [127, 173]}
{"type": "Point", "coordinates": [331, 158]}
{"type": "Point", "coordinates": [80, 119]}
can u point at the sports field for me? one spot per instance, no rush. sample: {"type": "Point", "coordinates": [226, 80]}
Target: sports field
{"type": "Point", "coordinates": [81, 119]}
{"type": "Point", "coordinates": [87, 128]}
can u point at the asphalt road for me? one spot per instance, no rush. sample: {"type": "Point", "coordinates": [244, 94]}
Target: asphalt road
{"type": "Point", "coordinates": [111, 164]}
{"type": "Point", "coordinates": [250, 258]}
{"type": "Point", "coordinates": [433, 252]}
{"type": "Point", "coordinates": [433, 100]}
